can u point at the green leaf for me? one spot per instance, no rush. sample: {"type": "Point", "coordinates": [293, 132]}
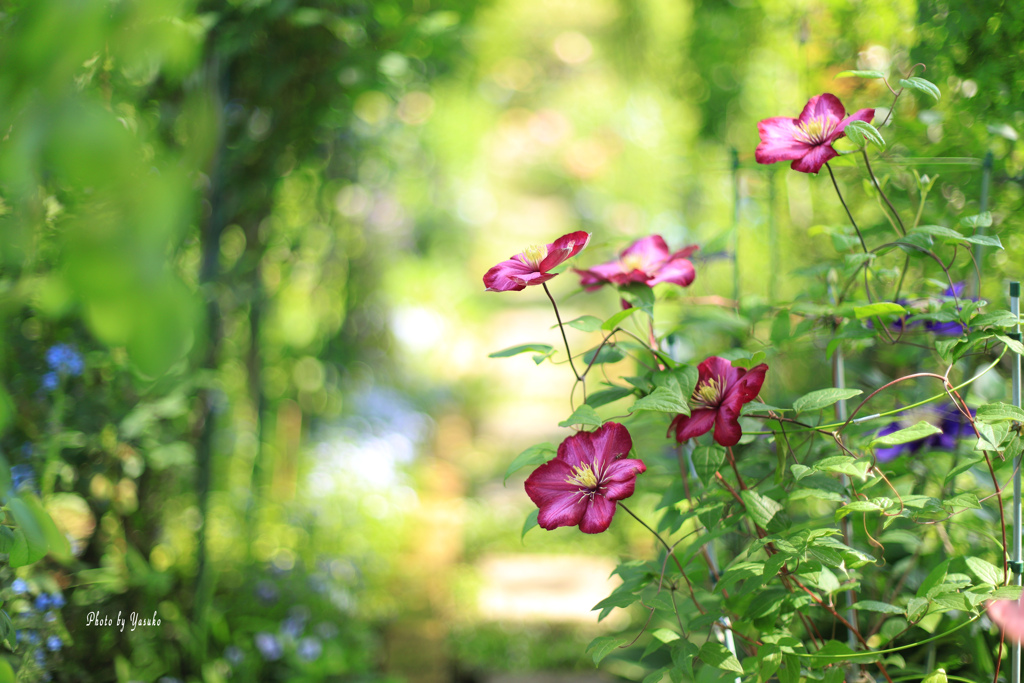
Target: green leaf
{"type": "Point", "coordinates": [760, 508]}
{"type": "Point", "coordinates": [758, 407]}
{"type": "Point", "coordinates": [881, 308]}
{"type": "Point", "coordinates": [912, 433]}
{"type": "Point", "coordinates": [916, 608]}
{"type": "Point", "coordinates": [534, 455]}
{"type": "Point", "coordinates": [605, 353]}
{"type": "Point", "coordinates": [707, 460]}
{"type": "Point", "coordinates": [963, 500]}
{"type": "Point", "coordinates": [843, 464]}
{"type": "Point", "coordinates": [981, 220]}
{"type": "Point", "coordinates": [861, 132]}
{"type": "Point", "coordinates": [1014, 345]}
{"type": "Point", "coordinates": [935, 577]}
{"type": "Point", "coordinates": [662, 400]}
{"type": "Point", "coordinates": [1006, 593]}
{"type": "Point", "coordinates": [613, 322]}
{"type": "Point", "coordinates": [789, 672]}
{"type": "Point", "coordinates": [822, 398]}
{"type": "Point", "coordinates": [718, 656]}
{"type": "Point", "coordinates": [587, 323]}
{"type": "Point", "coordinates": [937, 676]}
{"type": "Point", "coordinates": [985, 571]}
{"type": "Point", "coordinates": [640, 296]}
{"type": "Point", "coordinates": [606, 396]}
{"type": "Point", "coordinates": [6, 672]}
{"type": "Point", "coordinates": [876, 606]}
{"type": "Point", "coordinates": [985, 240]}
{"type": "Point", "coordinates": [531, 521]}
{"type": "Point", "coordinates": [584, 415]}
{"type": "Point", "coordinates": [991, 435]}
{"type": "Point", "coordinates": [938, 231]}
{"type": "Point", "coordinates": [860, 74]}
{"type": "Point", "coordinates": [856, 506]}
{"type": "Point", "coordinates": [995, 319]}
{"type": "Point", "coordinates": [769, 659]}
{"type": "Point", "coordinates": [29, 538]}
{"type": "Point", "coordinates": [602, 646]}
{"type": "Point", "coordinates": [543, 351]}
{"type": "Point", "coordinates": [665, 635]}
{"type": "Point", "coordinates": [961, 468]}
{"type": "Point", "coordinates": [921, 85]}
{"type": "Point", "coordinates": [827, 581]}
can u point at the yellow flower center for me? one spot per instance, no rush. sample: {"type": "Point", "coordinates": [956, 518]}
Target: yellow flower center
{"type": "Point", "coordinates": [583, 476]}
{"type": "Point", "coordinates": [708, 395]}
{"type": "Point", "coordinates": [814, 131]}
{"type": "Point", "coordinates": [534, 254]}
{"type": "Point", "coordinates": [632, 262]}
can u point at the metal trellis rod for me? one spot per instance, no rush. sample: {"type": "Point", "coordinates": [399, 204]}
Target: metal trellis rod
{"type": "Point", "coordinates": [1016, 563]}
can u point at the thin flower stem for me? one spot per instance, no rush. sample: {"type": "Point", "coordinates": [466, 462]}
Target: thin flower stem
{"type": "Point", "coordinates": [848, 213]}
{"type": "Point", "coordinates": [878, 187]}
{"type": "Point", "coordinates": [561, 328]}
{"type": "Point", "coordinates": [671, 552]}
{"type": "Point", "coordinates": [732, 461]}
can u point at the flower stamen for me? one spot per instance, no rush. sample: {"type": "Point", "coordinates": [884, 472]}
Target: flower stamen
{"type": "Point", "coordinates": [534, 254]}
{"type": "Point", "coordinates": [709, 394]}
{"type": "Point", "coordinates": [584, 476]}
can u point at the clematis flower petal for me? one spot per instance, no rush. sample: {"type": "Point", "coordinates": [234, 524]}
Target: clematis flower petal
{"type": "Point", "coordinates": [1009, 616]}
{"type": "Point", "coordinates": [583, 481]}
{"type": "Point", "coordinates": [807, 140]}
{"type": "Point", "coordinates": [717, 400]}
{"type": "Point", "coordinates": [727, 427]}
{"type": "Point", "coordinates": [646, 261]}
{"type": "Point", "coordinates": [814, 159]}
{"type": "Point", "coordinates": [532, 266]}
{"type": "Point", "coordinates": [697, 423]}
{"type": "Point", "coordinates": [598, 516]}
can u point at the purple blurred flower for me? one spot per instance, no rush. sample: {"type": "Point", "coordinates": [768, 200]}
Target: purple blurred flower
{"type": "Point", "coordinates": [65, 359]}
{"type": "Point", "coordinates": [50, 381]}
{"type": "Point", "coordinates": [309, 649]}
{"type": "Point", "coordinates": [946, 417]}
{"type": "Point", "coordinates": [234, 654]}
{"type": "Point", "coordinates": [19, 586]}
{"type": "Point", "coordinates": [22, 475]}
{"type": "Point", "coordinates": [54, 644]}
{"type": "Point", "coordinates": [950, 328]}
{"type": "Point", "coordinates": [267, 592]}
{"type": "Point", "coordinates": [269, 646]}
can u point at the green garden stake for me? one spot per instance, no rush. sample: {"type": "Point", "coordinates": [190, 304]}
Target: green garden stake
{"type": "Point", "coordinates": [1017, 557]}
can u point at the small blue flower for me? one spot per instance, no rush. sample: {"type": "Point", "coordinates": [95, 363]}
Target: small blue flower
{"type": "Point", "coordinates": [266, 592]}
{"type": "Point", "coordinates": [57, 600]}
{"type": "Point", "coordinates": [234, 654]}
{"type": "Point", "coordinates": [54, 644]}
{"type": "Point", "coordinates": [40, 658]}
{"type": "Point", "coordinates": [22, 475]}
{"type": "Point", "coordinates": [32, 637]}
{"type": "Point", "coordinates": [65, 359]}
{"type": "Point", "coordinates": [309, 649]}
{"type": "Point", "coordinates": [43, 602]}
{"type": "Point", "coordinates": [50, 617]}
{"type": "Point", "coordinates": [293, 626]}
{"type": "Point", "coordinates": [269, 646]}
{"type": "Point", "coordinates": [19, 586]}
{"type": "Point", "coordinates": [50, 381]}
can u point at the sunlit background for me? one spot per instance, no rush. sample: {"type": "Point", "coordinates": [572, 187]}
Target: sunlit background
{"type": "Point", "coordinates": [255, 233]}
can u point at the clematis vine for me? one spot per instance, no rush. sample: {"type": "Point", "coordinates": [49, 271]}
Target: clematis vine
{"type": "Point", "coordinates": [533, 266]}
{"type": "Point", "coordinates": [717, 399]}
{"type": "Point", "coordinates": [583, 481]}
{"type": "Point", "coordinates": [950, 328]}
{"type": "Point", "coordinates": [647, 261]}
{"type": "Point", "coordinates": [807, 140]}
{"type": "Point", "coordinates": [946, 417]}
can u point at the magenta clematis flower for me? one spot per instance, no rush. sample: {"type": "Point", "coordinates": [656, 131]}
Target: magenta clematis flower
{"type": "Point", "coordinates": [807, 141]}
{"type": "Point", "coordinates": [533, 265]}
{"type": "Point", "coordinates": [581, 484]}
{"type": "Point", "coordinates": [720, 393]}
{"type": "Point", "coordinates": [1009, 616]}
{"type": "Point", "coordinates": [646, 261]}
